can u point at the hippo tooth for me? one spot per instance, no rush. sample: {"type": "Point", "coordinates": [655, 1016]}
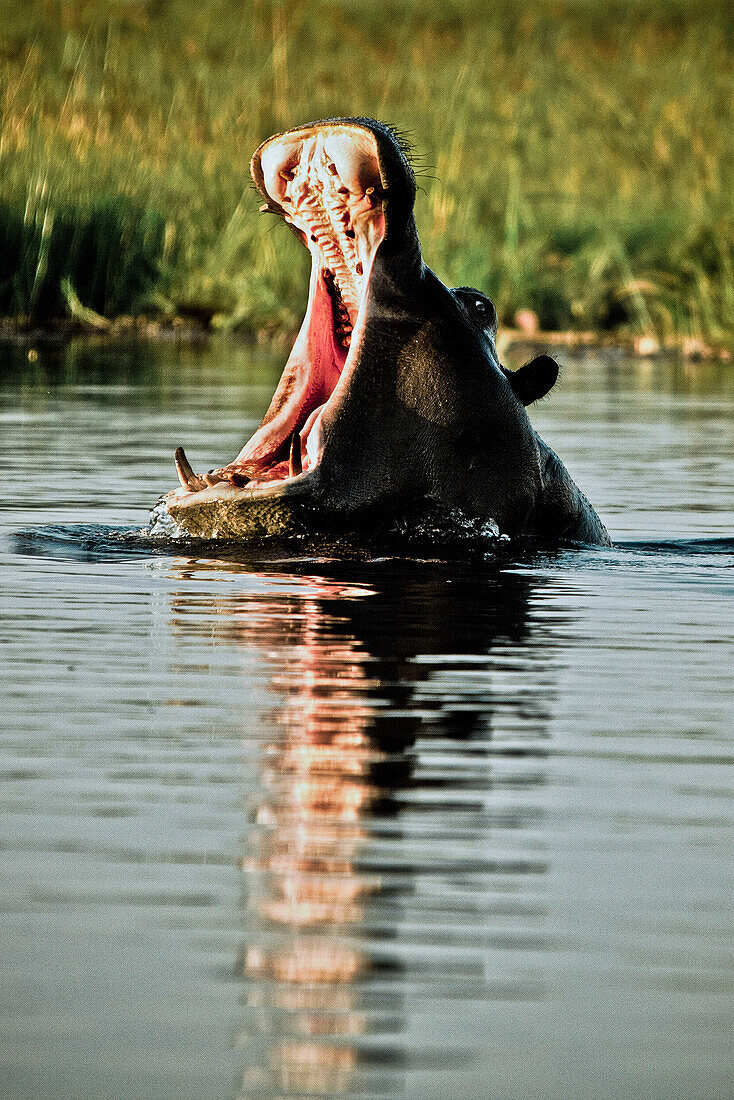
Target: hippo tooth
{"type": "Point", "coordinates": [186, 475]}
{"type": "Point", "coordinates": [294, 460]}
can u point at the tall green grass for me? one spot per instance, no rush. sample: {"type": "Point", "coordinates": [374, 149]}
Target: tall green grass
{"type": "Point", "coordinates": [108, 255]}
{"type": "Point", "coordinates": [576, 158]}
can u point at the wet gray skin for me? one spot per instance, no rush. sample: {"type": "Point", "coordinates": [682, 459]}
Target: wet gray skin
{"type": "Point", "coordinates": [393, 401]}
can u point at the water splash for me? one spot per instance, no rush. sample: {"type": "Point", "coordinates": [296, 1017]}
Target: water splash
{"type": "Point", "coordinates": [161, 525]}
{"type": "Point", "coordinates": [448, 525]}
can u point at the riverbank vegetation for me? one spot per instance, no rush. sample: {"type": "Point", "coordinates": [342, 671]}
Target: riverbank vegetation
{"type": "Point", "coordinates": [574, 159]}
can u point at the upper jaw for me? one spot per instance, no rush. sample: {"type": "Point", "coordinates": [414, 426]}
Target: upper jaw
{"type": "Point", "coordinates": [325, 180]}
{"type": "Point", "coordinates": [364, 151]}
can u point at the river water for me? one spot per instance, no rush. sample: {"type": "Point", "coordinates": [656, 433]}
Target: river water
{"type": "Point", "coordinates": [294, 826]}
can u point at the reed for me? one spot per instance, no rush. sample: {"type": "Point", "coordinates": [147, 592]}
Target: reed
{"type": "Point", "coordinates": [577, 157]}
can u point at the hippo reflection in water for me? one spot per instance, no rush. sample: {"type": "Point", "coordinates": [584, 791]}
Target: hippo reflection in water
{"type": "Point", "coordinates": [393, 401]}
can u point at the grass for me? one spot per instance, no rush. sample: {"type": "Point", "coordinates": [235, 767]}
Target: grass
{"type": "Point", "coordinates": [576, 157]}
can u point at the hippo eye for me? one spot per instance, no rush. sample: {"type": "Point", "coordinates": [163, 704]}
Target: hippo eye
{"type": "Point", "coordinates": [485, 311]}
{"type": "Point", "coordinates": [479, 307]}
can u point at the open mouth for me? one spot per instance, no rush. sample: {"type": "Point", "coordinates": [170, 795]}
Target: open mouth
{"type": "Point", "coordinates": [324, 180]}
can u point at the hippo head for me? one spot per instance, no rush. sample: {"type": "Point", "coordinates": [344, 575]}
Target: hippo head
{"type": "Point", "coordinates": [393, 394]}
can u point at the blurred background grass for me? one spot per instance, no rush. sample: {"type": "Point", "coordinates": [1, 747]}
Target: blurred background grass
{"type": "Point", "coordinates": [576, 157]}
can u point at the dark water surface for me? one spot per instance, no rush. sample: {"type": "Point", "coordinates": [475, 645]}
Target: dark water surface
{"type": "Point", "coordinates": [297, 827]}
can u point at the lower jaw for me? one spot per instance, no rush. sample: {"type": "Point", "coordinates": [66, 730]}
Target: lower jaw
{"type": "Point", "coordinates": [279, 510]}
{"type": "Point", "coordinates": [244, 520]}
{"type": "Point", "coordinates": [236, 514]}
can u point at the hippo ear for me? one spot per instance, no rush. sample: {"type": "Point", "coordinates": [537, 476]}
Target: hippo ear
{"type": "Point", "coordinates": [534, 380]}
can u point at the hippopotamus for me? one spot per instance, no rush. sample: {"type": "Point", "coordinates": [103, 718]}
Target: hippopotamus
{"type": "Point", "coordinates": [393, 400]}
